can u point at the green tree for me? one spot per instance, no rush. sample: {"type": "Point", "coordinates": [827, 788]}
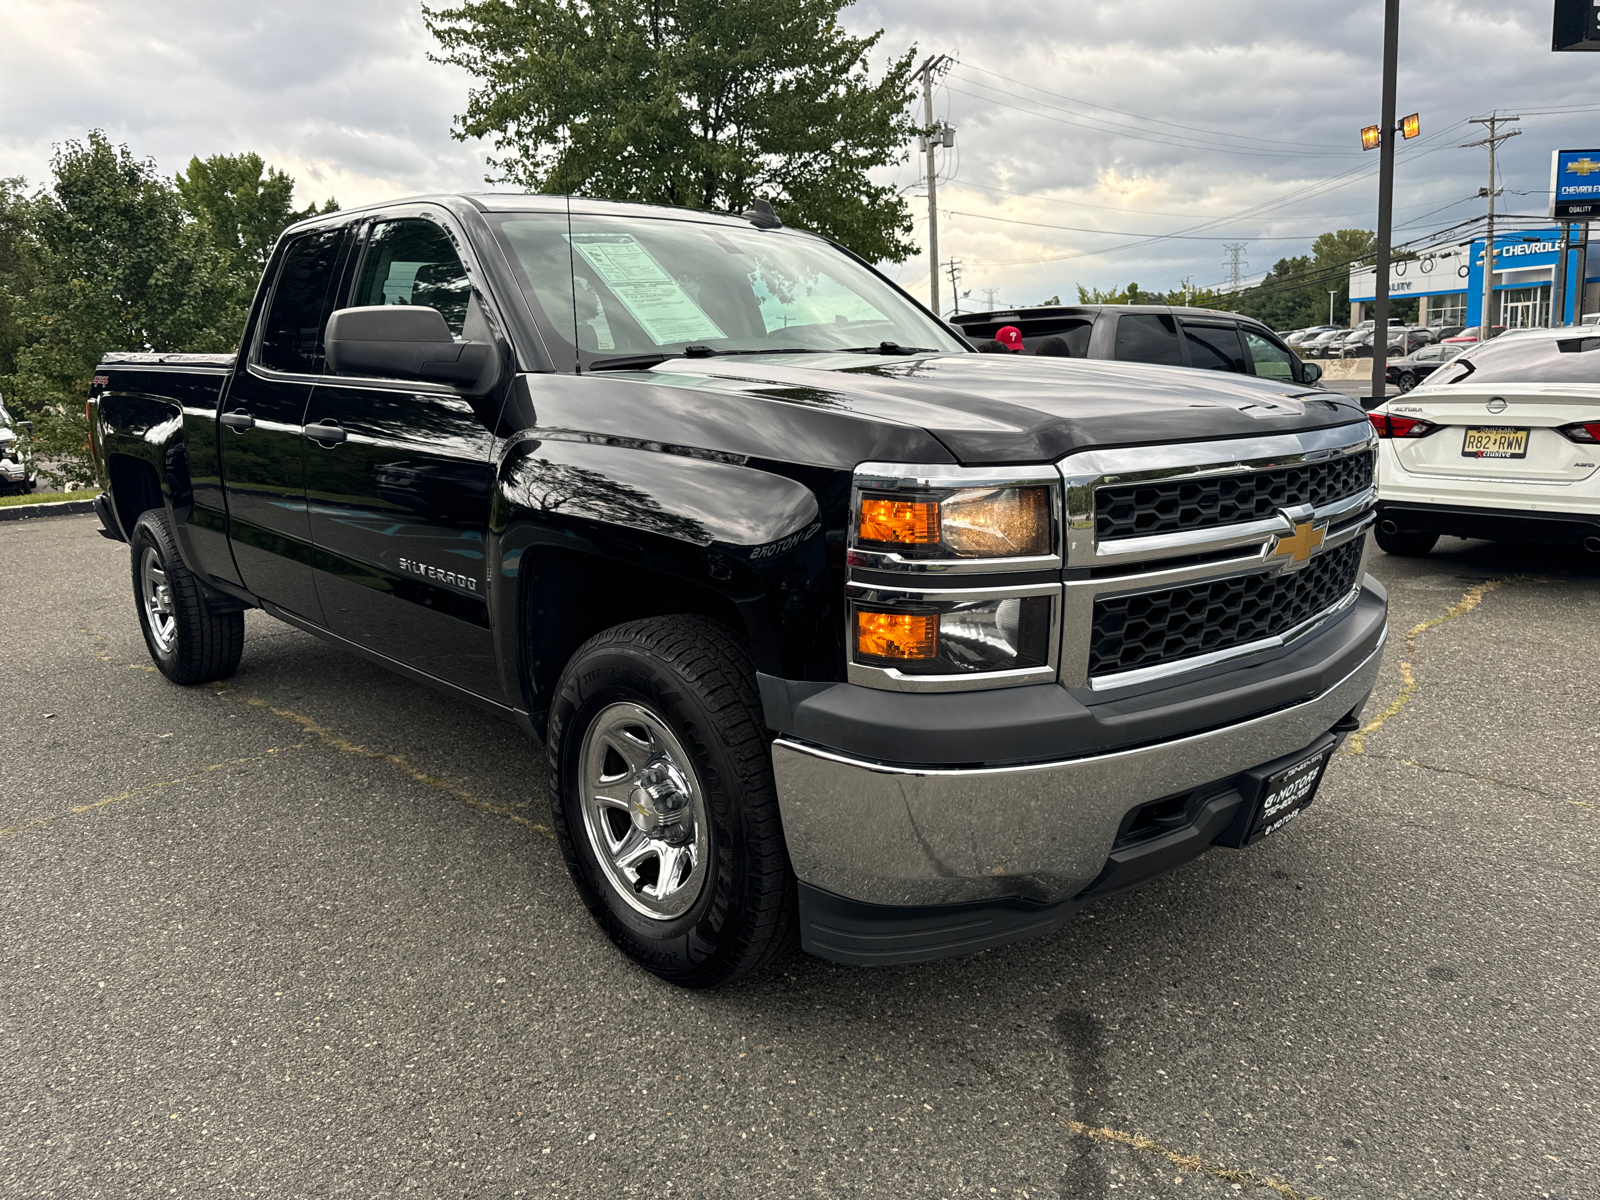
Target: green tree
{"type": "Point", "coordinates": [118, 268]}
{"type": "Point", "coordinates": [19, 260]}
{"type": "Point", "coordinates": [708, 104]}
{"type": "Point", "coordinates": [242, 205]}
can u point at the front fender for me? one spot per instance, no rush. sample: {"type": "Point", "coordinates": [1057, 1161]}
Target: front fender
{"type": "Point", "coordinates": [694, 530]}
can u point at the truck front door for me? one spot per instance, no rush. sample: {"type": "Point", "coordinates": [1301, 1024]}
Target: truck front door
{"type": "Point", "coordinates": [399, 481]}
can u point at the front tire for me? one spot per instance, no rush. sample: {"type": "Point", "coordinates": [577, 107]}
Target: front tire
{"type": "Point", "coordinates": [1408, 380]}
{"type": "Point", "coordinates": [187, 640]}
{"type": "Point", "coordinates": [1406, 545]}
{"type": "Point", "coordinates": [663, 801]}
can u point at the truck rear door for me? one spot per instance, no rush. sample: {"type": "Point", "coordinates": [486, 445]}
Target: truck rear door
{"type": "Point", "coordinates": [263, 419]}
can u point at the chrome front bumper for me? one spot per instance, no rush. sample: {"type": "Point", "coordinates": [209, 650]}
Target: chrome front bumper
{"type": "Point", "coordinates": [923, 836]}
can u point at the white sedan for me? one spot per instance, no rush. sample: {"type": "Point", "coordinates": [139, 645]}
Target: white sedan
{"type": "Point", "coordinates": [1502, 443]}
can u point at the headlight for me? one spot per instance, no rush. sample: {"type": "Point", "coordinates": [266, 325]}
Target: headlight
{"type": "Point", "coordinates": [956, 637]}
{"type": "Point", "coordinates": [959, 638]}
{"type": "Point", "coordinates": [981, 522]}
{"type": "Point", "coordinates": [954, 519]}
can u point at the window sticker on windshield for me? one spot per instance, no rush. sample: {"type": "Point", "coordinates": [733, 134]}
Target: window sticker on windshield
{"type": "Point", "coordinates": [655, 299]}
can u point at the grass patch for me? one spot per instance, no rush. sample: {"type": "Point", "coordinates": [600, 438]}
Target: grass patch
{"type": "Point", "coordinates": [47, 497]}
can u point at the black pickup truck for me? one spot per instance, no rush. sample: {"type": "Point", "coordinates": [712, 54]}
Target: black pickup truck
{"type": "Point", "coordinates": [833, 630]}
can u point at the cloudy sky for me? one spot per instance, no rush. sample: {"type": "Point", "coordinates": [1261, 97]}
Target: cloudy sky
{"type": "Point", "coordinates": [1090, 134]}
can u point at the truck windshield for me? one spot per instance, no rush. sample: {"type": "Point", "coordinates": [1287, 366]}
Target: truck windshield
{"type": "Point", "coordinates": [622, 286]}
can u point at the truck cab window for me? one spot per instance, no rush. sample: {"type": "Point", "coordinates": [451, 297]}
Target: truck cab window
{"type": "Point", "coordinates": [1214, 347]}
{"type": "Point", "coordinates": [413, 262]}
{"type": "Point", "coordinates": [1148, 338]}
{"type": "Point", "coordinates": [1271, 360]}
{"type": "Point", "coordinates": [291, 335]}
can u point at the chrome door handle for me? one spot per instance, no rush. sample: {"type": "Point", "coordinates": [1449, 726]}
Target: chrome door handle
{"type": "Point", "coordinates": [326, 433]}
{"type": "Point", "coordinates": [238, 421]}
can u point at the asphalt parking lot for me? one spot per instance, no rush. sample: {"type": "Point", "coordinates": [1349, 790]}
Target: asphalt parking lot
{"type": "Point", "coordinates": [305, 934]}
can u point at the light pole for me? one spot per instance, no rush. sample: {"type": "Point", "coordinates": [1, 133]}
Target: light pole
{"type": "Point", "coordinates": [1332, 292]}
{"type": "Point", "coordinates": [1380, 307]}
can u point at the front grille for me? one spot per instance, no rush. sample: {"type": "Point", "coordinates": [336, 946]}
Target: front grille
{"type": "Point", "coordinates": [1180, 505]}
{"type": "Point", "coordinates": [1153, 628]}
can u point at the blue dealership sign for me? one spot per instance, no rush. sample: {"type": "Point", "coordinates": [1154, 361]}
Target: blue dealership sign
{"type": "Point", "coordinates": [1575, 185]}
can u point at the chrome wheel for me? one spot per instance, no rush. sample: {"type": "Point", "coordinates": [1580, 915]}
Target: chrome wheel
{"type": "Point", "coordinates": [644, 810]}
{"type": "Point", "coordinates": [156, 595]}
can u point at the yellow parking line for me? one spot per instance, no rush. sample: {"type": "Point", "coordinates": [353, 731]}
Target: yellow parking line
{"type": "Point", "coordinates": [147, 789]}
{"type": "Point", "coordinates": [332, 740]}
{"type": "Point", "coordinates": [1408, 680]}
{"type": "Point", "coordinates": [1186, 1162]}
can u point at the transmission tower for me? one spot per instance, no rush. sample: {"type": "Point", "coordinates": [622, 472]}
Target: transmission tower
{"type": "Point", "coordinates": [1233, 264]}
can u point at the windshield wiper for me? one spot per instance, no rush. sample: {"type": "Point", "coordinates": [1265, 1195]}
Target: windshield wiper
{"type": "Point", "coordinates": [886, 348]}
{"type": "Point", "coordinates": [643, 362]}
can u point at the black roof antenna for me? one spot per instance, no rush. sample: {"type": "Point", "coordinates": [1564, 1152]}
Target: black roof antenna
{"type": "Point", "coordinates": [760, 215]}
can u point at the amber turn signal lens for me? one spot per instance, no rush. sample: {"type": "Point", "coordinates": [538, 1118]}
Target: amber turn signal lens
{"type": "Point", "coordinates": [902, 522]}
{"type": "Point", "coordinates": [896, 635]}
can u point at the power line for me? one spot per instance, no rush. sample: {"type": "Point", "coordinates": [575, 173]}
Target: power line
{"type": "Point", "coordinates": [1136, 116]}
{"type": "Point", "coordinates": [1100, 126]}
{"type": "Point", "coordinates": [1320, 186]}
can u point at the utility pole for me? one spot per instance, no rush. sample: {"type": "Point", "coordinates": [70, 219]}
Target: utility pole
{"type": "Point", "coordinates": [1580, 255]}
{"type": "Point", "coordinates": [1380, 297]}
{"type": "Point", "coordinates": [1332, 292]}
{"type": "Point", "coordinates": [1494, 120]}
{"type": "Point", "coordinates": [953, 269]}
{"type": "Point", "coordinates": [1558, 287]}
{"type": "Point", "coordinates": [1232, 265]}
{"type": "Point", "coordinates": [1188, 288]}
{"type": "Point", "coordinates": [934, 63]}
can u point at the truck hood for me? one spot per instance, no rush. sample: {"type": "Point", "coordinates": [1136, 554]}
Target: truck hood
{"type": "Point", "coordinates": [994, 409]}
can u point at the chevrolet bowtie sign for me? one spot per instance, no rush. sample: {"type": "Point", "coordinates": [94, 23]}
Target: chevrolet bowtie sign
{"type": "Point", "coordinates": [1575, 184]}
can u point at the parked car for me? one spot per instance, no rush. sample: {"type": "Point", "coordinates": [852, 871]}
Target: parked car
{"type": "Point", "coordinates": [1470, 335]}
{"type": "Point", "coordinates": [1300, 337]}
{"type": "Point", "coordinates": [1442, 332]}
{"type": "Point", "coordinates": [1356, 344]}
{"type": "Point", "coordinates": [1409, 338]}
{"type": "Point", "coordinates": [832, 630]}
{"type": "Point", "coordinates": [16, 472]}
{"type": "Point", "coordinates": [1405, 373]}
{"type": "Point", "coordinates": [1502, 442]}
{"type": "Point", "coordinates": [1200, 338]}
{"type": "Point", "coordinates": [1325, 345]}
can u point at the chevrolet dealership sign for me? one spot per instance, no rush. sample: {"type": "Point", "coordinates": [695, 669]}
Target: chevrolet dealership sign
{"type": "Point", "coordinates": [1575, 185]}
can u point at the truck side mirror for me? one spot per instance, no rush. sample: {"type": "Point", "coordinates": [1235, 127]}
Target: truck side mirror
{"type": "Point", "coordinates": [401, 341]}
{"type": "Point", "coordinates": [1310, 372]}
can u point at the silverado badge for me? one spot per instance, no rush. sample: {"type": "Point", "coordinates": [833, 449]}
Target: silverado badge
{"type": "Point", "coordinates": [1299, 544]}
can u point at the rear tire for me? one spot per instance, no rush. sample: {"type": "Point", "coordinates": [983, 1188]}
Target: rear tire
{"type": "Point", "coordinates": [1406, 545]}
{"type": "Point", "coordinates": [187, 640]}
{"type": "Point", "coordinates": [692, 879]}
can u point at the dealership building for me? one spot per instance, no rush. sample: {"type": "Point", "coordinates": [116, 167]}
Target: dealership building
{"type": "Point", "coordinates": [1447, 280]}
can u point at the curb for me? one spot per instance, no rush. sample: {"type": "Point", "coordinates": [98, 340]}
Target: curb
{"type": "Point", "coordinates": [61, 508]}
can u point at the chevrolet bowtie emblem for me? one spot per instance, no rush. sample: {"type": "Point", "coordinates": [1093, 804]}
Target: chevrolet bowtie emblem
{"type": "Point", "coordinates": [1299, 544]}
{"type": "Point", "coordinates": [1583, 166]}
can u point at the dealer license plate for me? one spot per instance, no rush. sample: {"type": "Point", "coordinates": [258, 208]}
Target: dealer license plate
{"type": "Point", "coordinates": [1286, 793]}
{"type": "Point", "coordinates": [1495, 441]}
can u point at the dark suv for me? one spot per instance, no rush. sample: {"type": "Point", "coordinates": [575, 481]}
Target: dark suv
{"type": "Point", "coordinates": [1152, 333]}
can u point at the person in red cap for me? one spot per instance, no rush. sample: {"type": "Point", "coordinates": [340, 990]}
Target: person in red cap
{"type": "Point", "coordinates": [1010, 337]}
